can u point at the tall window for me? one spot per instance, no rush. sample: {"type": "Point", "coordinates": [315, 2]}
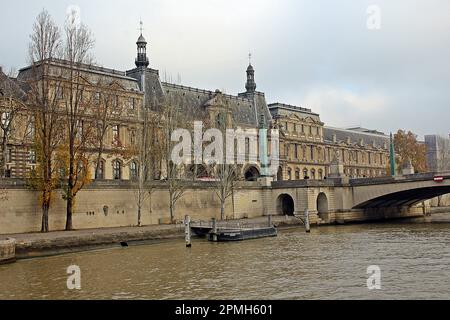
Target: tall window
{"type": "Point", "coordinates": [312, 152]}
{"type": "Point", "coordinates": [9, 155]}
{"type": "Point", "coordinates": [305, 173]}
{"type": "Point", "coordinates": [32, 155]}
{"type": "Point", "coordinates": [117, 170]}
{"type": "Point", "coordinates": [313, 174]}
{"type": "Point", "coordinates": [115, 130]}
{"type": "Point", "coordinates": [289, 172]}
{"type": "Point", "coordinates": [320, 174]}
{"type": "Point", "coordinates": [6, 119]}
{"type": "Point", "coordinates": [79, 129]}
{"type": "Point", "coordinates": [133, 170]}
{"type": "Point", "coordinates": [132, 103]}
{"type": "Point", "coordinates": [297, 174]}
{"type": "Point", "coordinates": [97, 97]}
{"type": "Point", "coordinates": [100, 174]}
{"type": "Point", "coordinates": [132, 137]}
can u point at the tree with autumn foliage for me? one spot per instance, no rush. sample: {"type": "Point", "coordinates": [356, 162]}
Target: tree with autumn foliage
{"type": "Point", "coordinates": [78, 102]}
{"type": "Point", "coordinates": [47, 126]}
{"type": "Point", "coordinates": [408, 148]}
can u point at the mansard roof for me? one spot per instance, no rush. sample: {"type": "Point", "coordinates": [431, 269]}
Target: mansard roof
{"type": "Point", "coordinates": [10, 87]}
{"type": "Point", "coordinates": [342, 135]}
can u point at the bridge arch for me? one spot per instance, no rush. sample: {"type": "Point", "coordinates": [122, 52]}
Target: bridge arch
{"type": "Point", "coordinates": [404, 198]}
{"type": "Point", "coordinates": [322, 204]}
{"type": "Point", "coordinates": [285, 205]}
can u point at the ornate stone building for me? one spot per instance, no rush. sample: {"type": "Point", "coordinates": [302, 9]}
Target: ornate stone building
{"type": "Point", "coordinates": [307, 147]}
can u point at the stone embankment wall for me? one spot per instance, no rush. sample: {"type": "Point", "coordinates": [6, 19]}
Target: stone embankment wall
{"type": "Point", "coordinates": [114, 204]}
{"type": "Point", "coordinates": [7, 250]}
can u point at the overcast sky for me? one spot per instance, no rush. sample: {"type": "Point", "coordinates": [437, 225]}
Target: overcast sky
{"type": "Point", "coordinates": [318, 54]}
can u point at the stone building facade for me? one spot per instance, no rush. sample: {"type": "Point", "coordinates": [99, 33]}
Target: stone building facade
{"type": "Point", "coordinates": [307, 146]}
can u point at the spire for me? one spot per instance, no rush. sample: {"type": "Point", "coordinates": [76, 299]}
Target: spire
{"type": "Point", "coordinates": [142, 59]}
{"type": "Point", "coordinates": [250, 86]}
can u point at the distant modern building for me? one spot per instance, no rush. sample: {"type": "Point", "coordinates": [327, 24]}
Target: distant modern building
{"type": "Point", "coordinates": [438, 152]}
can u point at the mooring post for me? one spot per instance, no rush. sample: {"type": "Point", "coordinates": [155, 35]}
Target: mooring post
{"type": "Point", "coordinates": [187, 231]}
{"type": "Point", "coordinates": [307, 227]}
{"type": "Point", "coordinates": [270, 220]}
{"type": "Point", "coordinates": [214, 229]}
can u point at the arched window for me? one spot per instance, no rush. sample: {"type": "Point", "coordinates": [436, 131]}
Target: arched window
{"type": "Point", "coordinates": [289, 172]}
{"type": "Point", "coordinates": [320, 174]}
{"type": "Point", "coordinates": [305, 174]}
{"type": "Point", "coordinates": [297, 174]}
{"type": "Point", "coordinates": [313, 174]}
{"type": "Point", "coordinates": [133, 170]}
{"type": "Point", "coordinates": [117, 170]}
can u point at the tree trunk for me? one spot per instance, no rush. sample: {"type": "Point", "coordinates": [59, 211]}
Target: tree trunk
{"type": "Point", "coordinates": [222, 209]}
{"type": "Point", "coordinates": [5, 153]}
{"type": "Point", "coordinates": [69, 209]}
{"type": "Point", "coordinates": [44, 227]}
{"type": "Point", "coordinates": [139, 216]}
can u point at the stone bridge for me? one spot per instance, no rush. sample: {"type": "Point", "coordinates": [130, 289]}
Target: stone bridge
{"type": "Point", "coordinates": [342, 199]}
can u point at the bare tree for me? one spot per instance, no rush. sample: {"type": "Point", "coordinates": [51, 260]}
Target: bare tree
{"type": "Point", "coordinates": [225, 175]}
{"type": "Point", "coordinates": [108, 112]}
{"type": "Point", "coordinates": [78, 103]}
{"type": "Point", "coordinates": [173, 119]}
{"type": "Point", "coordinates": [47, 126]}
{"type": "Point", "coordinates": [11, 112]}
{"type": "Point", "coordinates": [149, 151]}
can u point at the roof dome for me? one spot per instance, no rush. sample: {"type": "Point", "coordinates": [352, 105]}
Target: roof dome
{"type": "Point", "coordinates": [141, 39]}
{"type": "Point", "coordinates": [250, 68]}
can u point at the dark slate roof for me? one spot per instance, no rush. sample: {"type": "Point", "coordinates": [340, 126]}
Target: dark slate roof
{"type": "Point", "coordinates": [355, 136]}
{"type": "Point", "coordinates": [90, 72]}
{"type": "Point", "coordinates": [246, 108]}
{"type": "Point", "coordinates": [10, 87]}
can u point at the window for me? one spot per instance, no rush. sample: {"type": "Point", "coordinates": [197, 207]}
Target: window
{"type": "Point", "coordinates": [305, 174]}
{"type": "Point", "coordinates": [132, 103]}
{"type": "Point", "coordinates": [80, 125]}
{"type": "Point", "coordinates": [115, 130]}
{"type": "Point", "coordinates": [115, 102]}
{"type": "Point", "coordinates": [6, 119]}
{"type": "Point", "coordinates": [60, 93]}
{"type": "Point", "coordinates": [32, 156]}
{"type": "Point", "coordinates": [9, 155]}
{"type": "Point", "coordinates": [133, 170]}
{"type": "Point", "coordinates": [31, 127]}
{"type": "Point", "coordinates": [132, 137]}
{"type": "Point", "coordinates": [289, 171]}
{"type": "Point", "coordinates": [320, 174]}
{"type": "Point", "coordinates": [296, 151]}
{"type": "Point", "coordinates": [117, 170]}
{"type": "Point", "coordinates": [97, 97]}
{"type": "Point", "coordinates": [297, 174]}
{"type": "Point", "coordinates": [313, 174]}
{"type": "Point", "coordinates": [100, 174]}
{"type": "Point", "coordinates": [312, 152]}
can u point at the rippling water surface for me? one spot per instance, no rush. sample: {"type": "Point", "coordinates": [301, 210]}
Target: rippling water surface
{"type": "Point", "coordinates": [328, 263]}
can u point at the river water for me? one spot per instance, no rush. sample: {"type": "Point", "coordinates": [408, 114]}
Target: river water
{"type": "Point", "coordinates": [329, 263]}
